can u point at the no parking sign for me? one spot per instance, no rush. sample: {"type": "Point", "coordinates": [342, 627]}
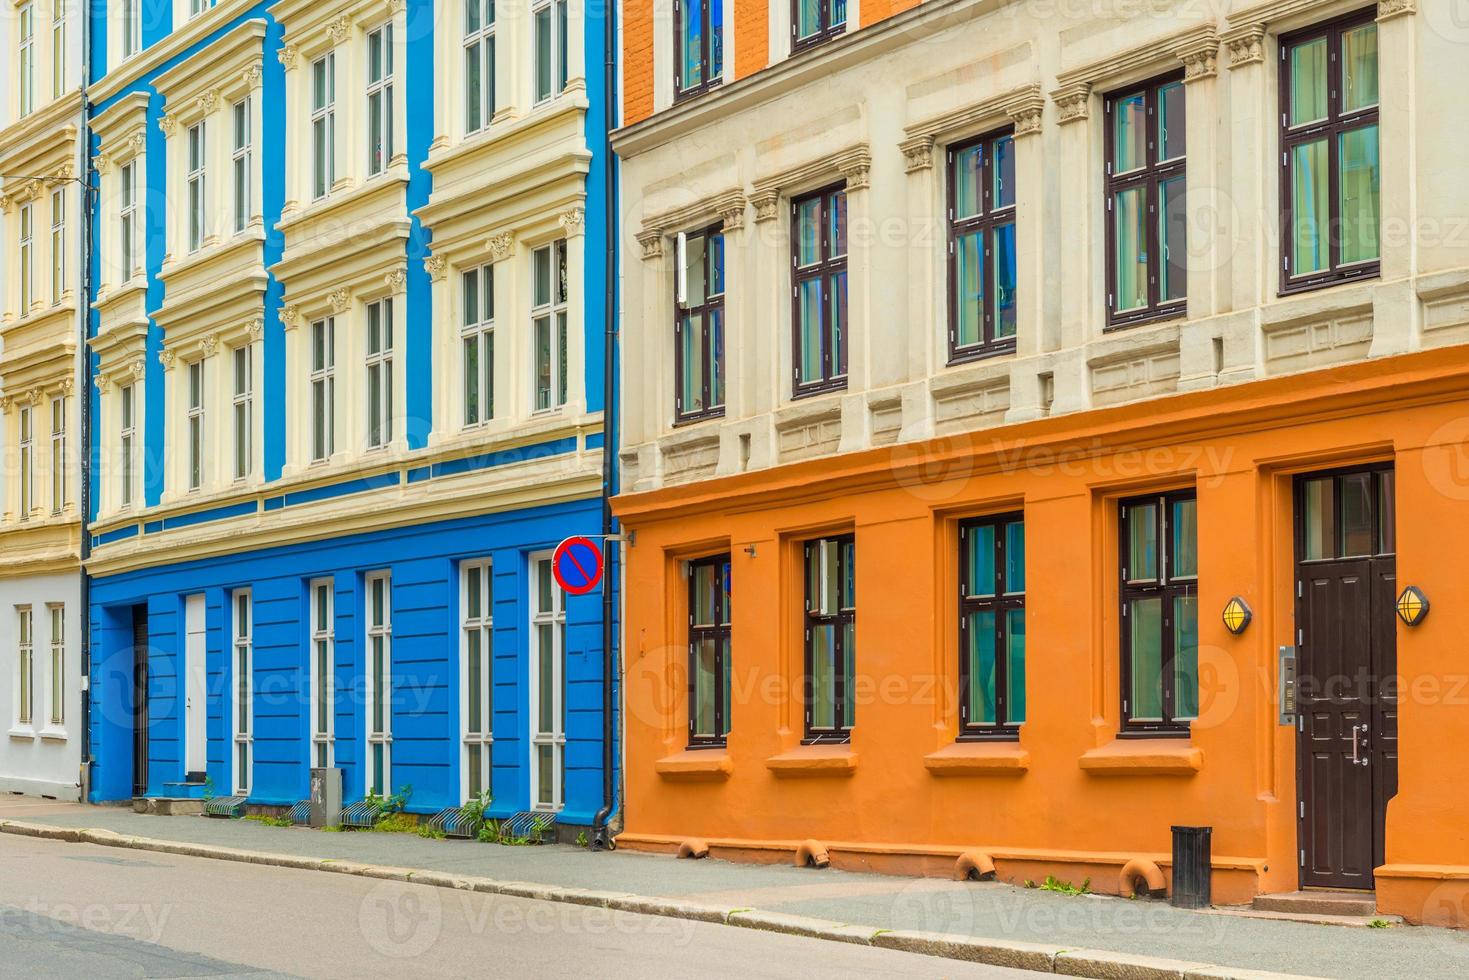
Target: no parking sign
{"type": "Point", "coordinates": [577, 565]}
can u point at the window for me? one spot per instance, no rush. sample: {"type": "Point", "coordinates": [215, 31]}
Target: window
{"type": "Point", "coordinates": [1160, 615]}
{"type": "Point", "coordinates": [699, 326]}
{"type": "Point", "coordinates": [132, 35]}
{"type": "Point", "coordinates": [548, 324]}
{"type": "Point", "coordinates": [27, 260]}
{"type": "Point", "coordinates": [58, 455]}
{"type": "Point", "coordinates": [26, 688]}
{"type": "Point", "coordinates": [197, 203]}
{"type": "Point", "coordinates": [244, 409]}
{"type": "Point", "coordinates": [831, 638]}
{"type": "Point", "coordinates": [476, 677]}
{"type": "Point", "coordinates": [1331, 171]}
{"type": "Point", "coordinates": [982, 247]}
{"type": "Point", "coordinates": [126, 219]}
{"type": "Point", "coordinates": [58, 48]}
{"type": "Point", "coordinates": [548, 708]}
{"type": "Point", "coordinates": [27, 59]}
{"type": "Point", "coordinates": [379, 99]}
{"type": "Point", "coordinates": [126, 435]}
{"type": "Point", "coordinates": [991, 626]}
{"type": "Point", "coordinates": [380, 373]}
{"type": "Point", "coordinates": [550, 23]}
{"type": "Point", "coordinates": [27, 464]}
{"type": "Point", "coordinates": [379, 683]}
{"type": "Point", "coordinates": [196, 424]}
{"type": "Point", "coordinates": [1347, 515]}
{"type": "Point", "coordinates": [819, 290]}
{"type": "Point", "coordinates": [58, 245]}
{"type": "Point", "coordinates": [814, 21]}
{"type": "Point", "coordinates": [322, 601]}
{"type": "Point", "coordinates": [199, 6]}
{"type": "Point", "coordinates": [699, 45]}
{"type": "Point", "coordinates": [240, 163]}
{"type": "Point", "coordinates": [1147, 246]}
{"type": "Point", "coordinates": [244, 688]}
{"type": "Point", "coordinates": [323, 124]}
{"type": "Point", "coordinates": [58, 665]}
{"type": "Point", "coordinates": [477, 341]}
{"type": "Point", "coordinates": [479, 64]}
{"type": "Point", "coordinates": [709, 650]}
{"type": "Point", "coordinates": [323, 389]}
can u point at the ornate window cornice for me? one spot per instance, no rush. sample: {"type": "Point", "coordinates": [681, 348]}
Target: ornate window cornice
{"type": "Point", "coordinates": [1022, 107]}
{"type": "Point", "coordinates": [853, 164]}
{"type": "Point", "coordinates": [727, 207]}
{"type": "Point", "coordinates": [1197, 48]}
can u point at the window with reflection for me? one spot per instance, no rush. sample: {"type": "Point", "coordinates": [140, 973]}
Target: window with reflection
{"type": "Point", "coordinates": [992, 627]}
{"type": "Point", "coordinates": [830, 638]}
{"type": "Point", "coordinates": [1160, 614]}
{"type": "Point", "coordinates": [982, 247]}
{"type": "Point", "coordinates": [709, 650]}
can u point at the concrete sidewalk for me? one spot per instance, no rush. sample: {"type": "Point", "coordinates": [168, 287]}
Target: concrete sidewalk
{"type": "Point", "coordinates": [879, 904]}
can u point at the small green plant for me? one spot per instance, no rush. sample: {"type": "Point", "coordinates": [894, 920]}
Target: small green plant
{"type": "Point", "coordinates": [1379, 924]}
{"type": "Point", "coordinates": [270, 821]}
{"type": "Point", "coordinates": [489, 832]}
{"type": "Point", "coordinates": [581, 839]}
{"type": "Point", "coordinates": [395, 823]}
{"type": "Point", "coordinates": [208, 787]}
{"type": "Point", "coordinates": [430, 833]}
{"type": "Point", "coordinates": [1054, 884]}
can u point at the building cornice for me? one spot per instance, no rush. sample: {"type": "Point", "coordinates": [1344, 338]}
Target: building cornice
{"type": "Point", "coordinates": [155, 56]}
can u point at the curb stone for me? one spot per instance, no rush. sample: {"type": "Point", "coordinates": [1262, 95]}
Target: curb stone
{"type": "Point", "coordinates": [1035, 957]}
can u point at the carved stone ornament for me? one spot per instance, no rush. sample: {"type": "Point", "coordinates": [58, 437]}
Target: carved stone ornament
{"type": "Point", "coordinates": [573, 220]}
{"type": "Point", "coordinates": [103, 383]}
{"type": "Point", "coordinates": [767, 205]}
{"type": "Point", "coordinates": [337, 30]}
{"type": "Point", "coordinates": [396, 279]}
{"type": "Point", "coordinates": [167, 357]}
{"type": "Point", "coordinates": [339, 299]}
{"type": "Point", "coordinates": [1027, 118]}
{"type": "Point", "coordinates": [290, 316]}
{"type": "Point", "coordinates": [138, 368]}
{"type": "Point", "coordinates": [436, 266]}
{"type": "Point", "coordinates": [499, 245]}
{"type": "Point", "coordinates": [1073, 101]}
{"type": "Point", "coordinates": [1388, 9]}
{"type": "Point", "coordinates": [208, 100]}
{"type": "Point", "coordinates": [1200, 60]}
{"type": "Point", "coordinates": [733, 217]}
{"type": "Point", "coordinates": [252, 75]}
{"type": "Point", "coordinates": [917, 153]}
{"type": "Point", "coordinates": [1246, 46]}
{"type": "Point", "coordinates": [167, 125]}
{"type": "Point", "coordinates": [256, 328]}
{"type": "Point", "coordinates": [287, 55]}
{"type": "Point", "coordinates": [209, 345]}
{"type": "Point", "coordinates": [652, 242]}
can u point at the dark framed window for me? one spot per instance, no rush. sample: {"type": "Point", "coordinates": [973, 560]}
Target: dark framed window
{"type": "Point", "coordinates": [831, 638]}
{"type": "Point", "coordinates": [819, 291]}
{"type": "Point", "coordinates": [1331, 173]}
{"type": "Point", "coordinates": [1147, 245]}
{"type": "Point", "coordinates": [814, 21]}
{"type": "Point", "coordinates": [698, 46]}
{"type": "Point", "coordinates": [1160, 613]}
{"type": "Point", "coordinates": [1347, 514]}
{"type": "Point", "coordinates": [992, 627]}
{"type": "Point", "coordinates": [982, 247]}
{"type": "Point", "coordinates": [709, 650]}
{"type": "Point", "coordinates": [698, 328]}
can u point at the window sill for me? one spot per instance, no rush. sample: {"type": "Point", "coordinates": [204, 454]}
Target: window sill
{"type": "Point", "coordinates": [993, 758]}
{"type": "Point", "coordinates": [695, 765]}
{"type": "Point", "coordinates": [52, 734]}
{"type": "Point", "coordinates": [814, 760]}
{"type": "Point", "coordinates": [1143, 757]}
{"type": "Point", "coordinates": [22, 733]}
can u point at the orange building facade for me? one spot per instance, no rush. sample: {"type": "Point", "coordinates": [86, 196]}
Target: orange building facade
{"type": "Point", "coordinates": [1023, 605]}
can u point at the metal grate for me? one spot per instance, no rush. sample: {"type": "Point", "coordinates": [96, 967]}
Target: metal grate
{"type": "Point", "coordinates": [454, 822]}
{"type": "Point", "coordinates": [225, 806]}
{"type": "Point", "coordinates": [301, 812]}
{"type": "Point", "coordinates": [534, 825]}
{"type": "Point", "coordinates": [359, 814]}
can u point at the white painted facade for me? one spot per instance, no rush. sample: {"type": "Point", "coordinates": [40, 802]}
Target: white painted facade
{"type": "Point", "coordinates": [41, 753]}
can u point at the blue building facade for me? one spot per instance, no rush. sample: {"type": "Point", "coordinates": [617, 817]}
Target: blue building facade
{"type": "Point", "coordinates": [348, 346]}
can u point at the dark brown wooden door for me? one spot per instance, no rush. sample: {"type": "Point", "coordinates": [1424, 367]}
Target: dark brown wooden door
{"type": "Point", "coordinates": [140, 701]}
{"type": "Point", "coordinates": [1347, 697]}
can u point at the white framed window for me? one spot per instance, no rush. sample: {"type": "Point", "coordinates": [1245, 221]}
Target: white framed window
{"type": "Point", "coordinates": [243, 407]}
{"type": "Point", "coordinates": [58, 664]}
{"type": "Point", "coordinates": [27, 463]}
{"type": "Point", "coordinates": [198, 205]}
{"type": "Point", "coordinates": [244, 688]}
{"type": "Point", "coordinates": [27, 259]}
{"type": "Point", "coordinates": [127, 220]}
{"type": "Point", "coordinates": [197, 7]}
{"type": "Point", "coordinates": [379, 99]}
{"type": "Point", "coordinates": [240, 162]}
{"type": "Point", "coordinates": [26, 17]}
{"type": "Point", "coordinates": [132, 28]}
{"type": "Point", "coordinates": [58, 245]}
{"type": "Point", "coordinates": [479, 64]}
{"type": "Point", "coordinates": [549, 21]}
{"type": "Point", "coordinates": [58, 454]}
{"type": "Point", "coordinates": [58, 48]}
{"type": "Point", "coordinates": [548, 324]}
{"type": "Point", "coordinates": [477, 344]}
{"type": "Point", "coordinates": [323, 682]}
{"type": "Point", "coordinates": [380, 373]}
{"type": "Point", "coordinates": [548, 707]}
{"type": "Point", "coordinates": [323, 389]}
{"type": "Point", "coordinates": [476, 675]}
{"type": "Point", "coordinates": [126, 437]}
{"type": "Point", "coordinates": [196, 424]}
{"type": "Point", "coordinates": [379, 616]}
{"type": "Point", "coordinates": [323, 124]}
{"type": "Point", "coordinates": [25, 688]}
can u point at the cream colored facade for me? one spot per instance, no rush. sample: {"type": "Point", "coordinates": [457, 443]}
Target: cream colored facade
{"type": "Point", "coordinates": [41, 290]}
{"type": "Point", "coordinates": [876, 110]}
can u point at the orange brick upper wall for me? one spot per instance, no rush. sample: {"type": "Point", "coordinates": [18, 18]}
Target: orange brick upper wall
{"type": "Point", "coordinates": [637, 60]}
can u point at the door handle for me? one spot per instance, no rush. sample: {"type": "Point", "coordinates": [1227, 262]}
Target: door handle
{"type": "Point", "coordinates": [1354, 745]}
{"type": "Point", "coordinates": [1360, 757]}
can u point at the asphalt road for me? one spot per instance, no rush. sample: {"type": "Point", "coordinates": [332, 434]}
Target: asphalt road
{"type": "Point", "coordinates": [69, 910]}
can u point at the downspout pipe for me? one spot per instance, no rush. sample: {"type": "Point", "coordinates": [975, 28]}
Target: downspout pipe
{"type": "Point", "coordinates": [84, 407]}
{"type": "Point", "coordinates": [601, 837]}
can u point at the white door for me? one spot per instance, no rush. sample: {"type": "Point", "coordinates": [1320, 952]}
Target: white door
{"type": "Point", "coordinates": [196, 708]}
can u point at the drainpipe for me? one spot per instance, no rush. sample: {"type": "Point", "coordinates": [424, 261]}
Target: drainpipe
{"type": "Point", "coordinates": [84, 447]}
{"type": "Point", "coordinates": [601, 837]}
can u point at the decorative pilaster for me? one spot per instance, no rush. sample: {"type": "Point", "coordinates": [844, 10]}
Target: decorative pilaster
{"type": "Point", "coordinates": [1246, 45]}
{"type": "Point", "coordinates": [1073, 101]}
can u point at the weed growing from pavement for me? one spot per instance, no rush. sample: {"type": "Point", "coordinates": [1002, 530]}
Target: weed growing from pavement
{"type": "Point", "coordinates": [270, 821]}
{"type": "Point", "coordinates": [1054, 884]}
